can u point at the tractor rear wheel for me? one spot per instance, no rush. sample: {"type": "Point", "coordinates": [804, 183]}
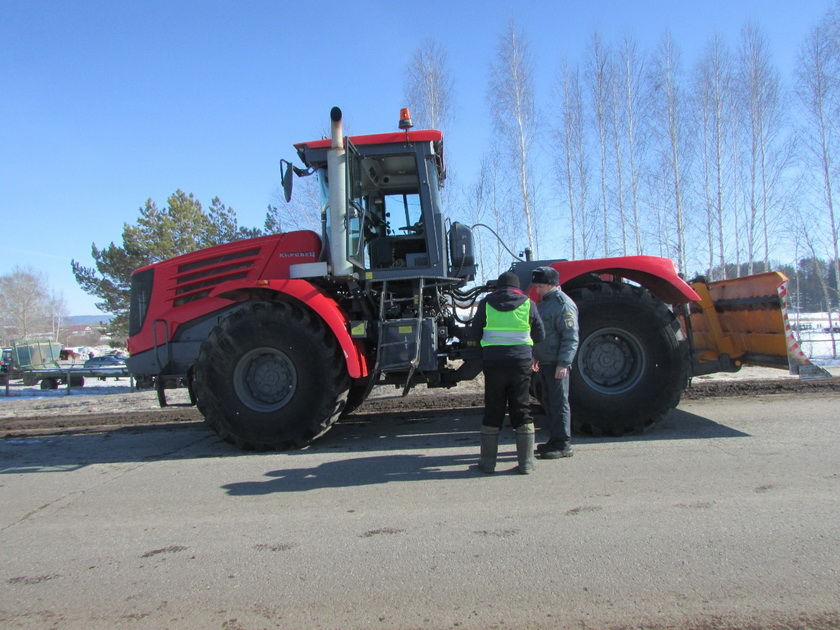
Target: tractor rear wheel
{"type": "Point", "coordinates": [632, 360]}
{"type": "Point", "coordinates": [270, 376]}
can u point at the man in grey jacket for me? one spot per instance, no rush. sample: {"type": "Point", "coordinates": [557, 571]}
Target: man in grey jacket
{"type": "Point", "coordinates": [553, 358]}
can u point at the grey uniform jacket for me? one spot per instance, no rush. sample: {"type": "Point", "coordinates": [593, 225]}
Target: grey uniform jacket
{"type": "Point", "coordinates": [560, 318]}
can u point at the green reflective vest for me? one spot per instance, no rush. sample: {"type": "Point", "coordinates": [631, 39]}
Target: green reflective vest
{"type": "Point", "coordinates": [508, 328]}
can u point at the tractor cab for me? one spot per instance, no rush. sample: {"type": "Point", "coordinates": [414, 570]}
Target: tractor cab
{"type": "Point", "coordinates": [385, 208]}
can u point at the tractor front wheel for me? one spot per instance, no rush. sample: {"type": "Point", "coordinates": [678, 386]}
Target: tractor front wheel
{"type": "Point", "coordinates": [359, 391]}
{"type": "Point", "coordinates": [270, 376]}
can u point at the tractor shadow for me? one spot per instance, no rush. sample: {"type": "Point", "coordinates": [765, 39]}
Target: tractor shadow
{"type": "Point", "coordinates": [408, 445]}
{"type": "Point", "coordinates": [411, 440]}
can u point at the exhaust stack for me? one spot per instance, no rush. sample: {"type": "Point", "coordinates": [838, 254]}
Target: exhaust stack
{"type": "Point", "coordinates": [336, 168]}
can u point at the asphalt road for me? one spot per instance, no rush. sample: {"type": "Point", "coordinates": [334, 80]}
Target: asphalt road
{"type": "Point", "coordinates": [727, 515]}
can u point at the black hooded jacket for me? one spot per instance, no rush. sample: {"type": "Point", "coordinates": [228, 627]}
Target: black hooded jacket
{"type": "Point", "coordinates": [507, 299]}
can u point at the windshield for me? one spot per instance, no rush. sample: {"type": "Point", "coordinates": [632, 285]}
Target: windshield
{"type": "Point", "coordinates": [405, 212]}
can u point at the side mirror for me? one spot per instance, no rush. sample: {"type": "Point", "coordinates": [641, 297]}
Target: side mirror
{"type": "Point", "coordinates": [286, 173]}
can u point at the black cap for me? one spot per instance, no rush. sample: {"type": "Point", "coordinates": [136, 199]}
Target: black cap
{"type": "Point", "coordinates": [545, 275]}
{"type": "Point", "coordinates": [508, 279]}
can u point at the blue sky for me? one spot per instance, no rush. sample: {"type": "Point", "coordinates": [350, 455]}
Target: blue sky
{"type": "Point", "coordinates": [105, 104]}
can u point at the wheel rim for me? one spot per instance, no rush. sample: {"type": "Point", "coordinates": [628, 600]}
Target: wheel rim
{"type": "Point", "coordinates": [265, 379]}
{"type": "Point", "coordinates": [611, 360]}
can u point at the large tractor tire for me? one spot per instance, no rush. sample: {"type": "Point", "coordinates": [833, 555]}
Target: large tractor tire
{"type": "Point", "coordinates": [270, 376]}
{"type": "Point", "coordinates": [631, 365]}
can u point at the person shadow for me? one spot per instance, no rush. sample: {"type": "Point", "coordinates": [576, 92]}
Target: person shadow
{"type": "Point", "coordinates": [362, 471]}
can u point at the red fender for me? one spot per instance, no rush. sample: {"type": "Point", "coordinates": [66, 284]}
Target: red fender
{"type": "Point", "coordinates": [658, 275]}
{"type": "Point", "coordinates": [326, 308]}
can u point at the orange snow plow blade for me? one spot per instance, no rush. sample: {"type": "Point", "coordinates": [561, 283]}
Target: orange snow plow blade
{"type": "Point", "coordinates": [740, 322]}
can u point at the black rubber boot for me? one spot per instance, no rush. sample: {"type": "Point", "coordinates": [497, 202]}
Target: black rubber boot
{"type": "Point", "coordinates": [525, 448]}
{"type": "Point", "coordinates": [489, 449]}
{"type": "Point", "coordinates": [557, 451]}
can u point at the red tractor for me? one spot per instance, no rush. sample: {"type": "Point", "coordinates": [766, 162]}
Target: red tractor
{"type": "Point", "coordinates": [277, 337]}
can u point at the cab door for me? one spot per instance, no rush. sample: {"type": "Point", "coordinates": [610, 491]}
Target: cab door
{"type": "Point", "coordinates": [356, 215]}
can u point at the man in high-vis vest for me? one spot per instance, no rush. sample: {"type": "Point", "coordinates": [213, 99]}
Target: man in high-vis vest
{"type": "Point", "coordinates": [508, 324]}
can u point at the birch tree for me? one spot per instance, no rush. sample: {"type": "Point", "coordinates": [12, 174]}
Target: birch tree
{"type": "Point", "coordinates": [57, 314]}
{"type": "Point", "coordinates": [713, 87]}
{"type": "Point", "coordinates": [511, 98]}
{"type": "Point", "coordinates": [760, 85]}
{"type": "Point", "coordinates": [599, 87]}
{"type": "Point", "coordinates": [429, 87]}
{"type": "Point", "coordinates": [571, 162]}
{"type": "Point", "coordinates": [670, 123]}
{"type": "Point", "coordinates": [819, 92]}
{"type": "Point", "coordinates": [616, 122]}
{"type": "Point", "coordinates": [429, 94]}
{"type": "Point", "coordinates": [630, 81]}
{"type": "Point", "coordinates": [488, 204]}
{"type": "Point", "coordinates": [810, 236]}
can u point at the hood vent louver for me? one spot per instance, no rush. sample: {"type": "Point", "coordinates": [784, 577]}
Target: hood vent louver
{"type": "Point", "coordinates": [196, 279]}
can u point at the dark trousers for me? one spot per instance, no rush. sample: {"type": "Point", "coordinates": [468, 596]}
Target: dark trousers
{"type": "Point", "coordinates": [506, 385]}
{"type": "Point", "coordinates": [555, 400]}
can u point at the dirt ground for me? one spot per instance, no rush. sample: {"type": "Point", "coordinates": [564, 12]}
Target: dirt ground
{"type": "Point", "coordinates": [107, 406]}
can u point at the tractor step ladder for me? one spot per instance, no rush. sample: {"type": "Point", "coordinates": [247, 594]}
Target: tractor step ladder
{"type": "Point", "coordinates": [412, 326]}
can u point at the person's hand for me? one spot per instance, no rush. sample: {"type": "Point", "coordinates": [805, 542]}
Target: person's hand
{"type": "Point", "coordinates": [535, 365]}
{"type": "Point", "coordinates": [560, 373]}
